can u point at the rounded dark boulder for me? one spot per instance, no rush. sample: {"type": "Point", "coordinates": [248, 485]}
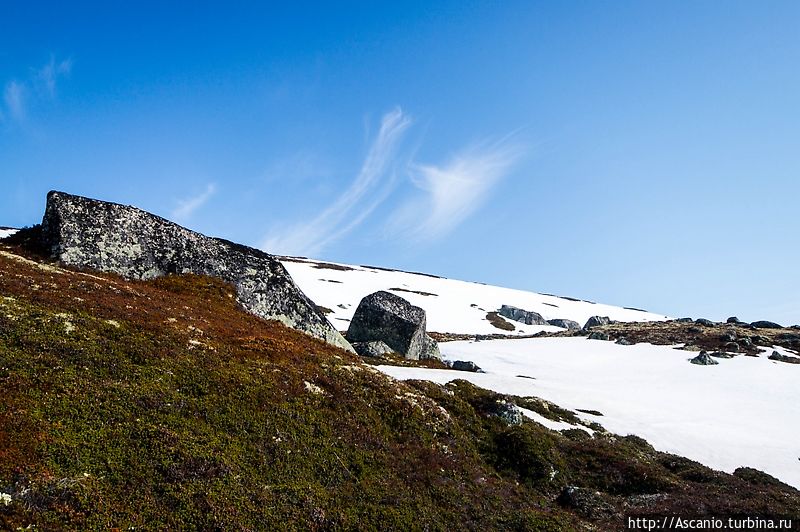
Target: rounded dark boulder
{"type": "Point", "coordinates": [466, 365]}
{"type": "Point", "coordinates": [763, 324]}
{"type": "Point", "coordinates": [383, 316]}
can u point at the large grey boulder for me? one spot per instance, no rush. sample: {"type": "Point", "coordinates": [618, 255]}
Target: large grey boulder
{"type": "Point", "coordinates": [135, 244]}
{"type": "Point", "coordinates": [565, 324]}
{"type": "Point", "coordinates": [527, 317]}
{"type": "Point", "coordinates": [383, 316]}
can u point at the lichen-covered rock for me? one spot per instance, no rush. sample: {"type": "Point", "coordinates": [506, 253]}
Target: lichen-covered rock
{"type": "Point", "coordinates": [509, 412]}
{"type": "Point", "coordinates": [391, 319]}
{"type": "Point", "coordinates": [598, 335]}
{"type": "Point", "coordinates": [466, 365]}
{"type": "Point", "coordinates": [703, 359]}
{"type": "Point", "coordinates": [596, 321]}
{"type": "Point", "coordinates": [109, 237]}
{"type": "Point", "coordinates": [565, 324]}
{"type": "Point", "coordinates": [527, 317]}
{"type": "Point", "coordinates": [375, 349]}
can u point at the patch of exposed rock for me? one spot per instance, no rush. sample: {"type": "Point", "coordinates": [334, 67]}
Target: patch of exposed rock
{"type": "Point", "coordinates": [703, 359]}
{"type": "Point", "coordinates": [135, 244]}
{"type": "Point", "coordinates": [784, 358]}
{"type": "Point", "coordinates": [766, 325]}
{"type": "Point", "coordinates": [565, 324]}
{"type": "Point", "coordinates": [466, 365]}
{"type": "Point", "coordinates": [509, 412]}
{"type": "Point", "coordinates": [596, 321]}
{"type": "Point", "coordinates": [528, 317]}
{"type": "Point", "coordinates": [386, 317]}
{"type": "Point", "coordinates": [374, 349]}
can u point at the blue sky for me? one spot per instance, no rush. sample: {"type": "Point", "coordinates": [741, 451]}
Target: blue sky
{"type": "Point", "coordinates": [645, 154]}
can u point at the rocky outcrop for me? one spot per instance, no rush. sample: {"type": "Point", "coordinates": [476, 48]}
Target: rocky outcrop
{"type": "Point", "coordinates": [466, 365]}
{"type": "Point", "coordinates": [784, 358]}
{"type": "Point", "coordinates": [135, 244]}
{"type": "Point", "coordinates": [565, 324]}
{"type": "Point", "coordinates": [508, 412]}
{"type": "Point", "coordinates": [383, 316]}
{"type": "Point", "coordinates": [703, 359]}
{"type": "Point", "coordinates": [596, 321]}
{"type": "Point", "coordinates": [766, 325]}
{"type": "Point", "coordinates": [527, 317]}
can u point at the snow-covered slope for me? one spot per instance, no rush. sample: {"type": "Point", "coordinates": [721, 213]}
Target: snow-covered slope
{"type": "Point", "coordinates": [451, 306]}
{"type": "Point", "coordinates": [6, 232]}
{"type": "Point", "coordinates": [743, 412]}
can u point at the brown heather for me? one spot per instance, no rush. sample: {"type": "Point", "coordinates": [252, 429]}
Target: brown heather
{"type": "Point", "coordinates": [162, 405]}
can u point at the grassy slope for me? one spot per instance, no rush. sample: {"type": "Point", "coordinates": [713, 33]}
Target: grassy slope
{"type": "Point", "coordinates": [162, 405]}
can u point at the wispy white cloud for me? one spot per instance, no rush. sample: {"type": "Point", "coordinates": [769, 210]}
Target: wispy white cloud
{"type": "Point", "coordinates": [187, 207]}
{"type": "Point", "coordinates": [451, 192]}
{"type": "Point", "coordinates": [371, 186]}
{"type": "Point", "coordinates": [42, 82]}
{"type": "Point", "coordinates": [47, 76]}
{"type": "Point", "coordinates": [14, 99]}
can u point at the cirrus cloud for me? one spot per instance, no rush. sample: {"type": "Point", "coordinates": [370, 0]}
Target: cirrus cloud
{"type": "Point", "coordinates": [448, 193]}
{"type": "Point", "coordinates": [371, 186]}
{"type": "Point", "coordinates": [444, 195]}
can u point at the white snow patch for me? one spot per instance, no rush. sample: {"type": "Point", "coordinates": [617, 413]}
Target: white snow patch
{"type": "Point", "coordinates": [5, 233]}
{"type": "Point", "coordinates": [451, 306]}
{"type": "Point", "coordinates": [550, 424]}
{"type": "Point", "coordinates": [742, 412]}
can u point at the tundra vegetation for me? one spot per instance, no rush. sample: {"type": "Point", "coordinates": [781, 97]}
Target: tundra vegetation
{"type": "Point", "coordinates": [161, 404]}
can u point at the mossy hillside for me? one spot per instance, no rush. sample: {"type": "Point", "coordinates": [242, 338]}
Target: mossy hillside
{"type": "Point", "coordinates": [116, 423]}
{"type": "Point", "coordinates": [629, 476]}
{"type": "Point", "coordinates": [161, 405]}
